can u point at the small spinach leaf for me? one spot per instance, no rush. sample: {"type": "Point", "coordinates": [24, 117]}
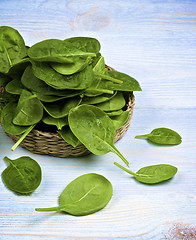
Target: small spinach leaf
{"type": "Point", "coordinates": [23, 175]}
{"type": "Point", "coordinates": [68, 136]}
{"type": "Point", "coordinates": [58, 122]}
{"type": "Point", "coordinates": [61, 108]}
{"type": "Point", "coordinates": [85, 44]}
{"type": "Point", "coordinates": [12, 48]}
{"type": "Point", "coordinates": [121, 119]}
{"type": "Point", "coordinates": [113, 104]}
{"type": "Point", "coordinates": [152, 174]}
{"type": "Point", "coordinates": [29, 110]}
{"type": "Point", "coordinates": [86, 194]}
{"type": "Point", "coordinates": [162, 136]}
{"type": "Point", "coordinates": [7, 116]}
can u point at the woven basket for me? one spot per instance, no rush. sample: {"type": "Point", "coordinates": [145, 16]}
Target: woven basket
{"type": "Point", "coordinates": [50, 143]}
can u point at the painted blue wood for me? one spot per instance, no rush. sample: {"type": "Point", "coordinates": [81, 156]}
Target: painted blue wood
{"type": "Point", "coordinates": [153, 41]}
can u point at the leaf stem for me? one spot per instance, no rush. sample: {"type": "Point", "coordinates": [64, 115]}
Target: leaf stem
{"type": "Point", "coordinates": [100, 90]}
{"type": "Point", "coordinates": [142, 136]}
{"type": "Point", "coordinates": [108, 78]}
{"type": "Point", "coordinates": [48, 209]}
{"type": "Point", "coordinates": [125, 169]}
{"type": "Point", "coordinates": [22, 137]}
{"type": "Point", "coordinates": [121, 156]}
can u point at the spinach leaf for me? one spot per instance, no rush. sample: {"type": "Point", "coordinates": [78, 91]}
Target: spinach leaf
{"type": "Point", "coordinates": [15, 86]}
{"type": "Point", "coordinates": [152, 174]}
{"type": "Point", "coordinates": [58, 122]}
{"type": "Point", "coordinates": [71, 68]}
{"type": "Point", "coordinates": [85, 44]}
{"type": "Point", "coordinates": [94, 129]}
{"type": "Point", "coordinates": [61, 108]}
{"type": "Point", "coordinates": [12, 48]}
{"type": "Point", "coordinates": [41, 88]}
{"type": "Point", "coordinates": [113, 104]}
{"type": "Point", "coordinates": [97, 99]}
{"type": "Point", "coordinates": [128, 83]}
{"type": "Point", "coordinates": [121, 119]}
{"type": "Point", "coordinates": [78, 81]}
{"type": "Point", "coordinates": [162, 136]}
{"type": "Point", "coordinates": [68, 136]}
{"type": "Point", "coordinates": [7, 116]}
{"type": "Point", "coordinates": [114, 113]}
{"type": "Point", "coordinates": [86, 194]}
{"type": "Point", "coordinates": [23, 175]}
{"type": "Point", "coordinates": [28, 111]}
{"type": "Point", "coordinates": [54, 50]}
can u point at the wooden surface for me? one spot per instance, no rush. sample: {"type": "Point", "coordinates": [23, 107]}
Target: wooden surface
{"type": "Point", "coordinates": [155, 42]}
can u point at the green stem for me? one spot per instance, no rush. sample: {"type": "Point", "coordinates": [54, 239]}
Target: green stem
{"type": "Point", "coordinates": [48, 209]}
{"type": "Point", "coordinates": [100, 90]}
{"type": "Point", "coordinates": [108, 78]}
{"type": "Point", "coordinates": [7, 159]}
{"type": "Point", "coordinates": [9, 60]}
{"type": "Point", "coordinates": [22, 137]}
{"type": "Point", "coordinates": [142, 136]}
{"type": "Point", "coordinates": [115, 150]}
{"type": "Point", "coordinates": [125, 169]}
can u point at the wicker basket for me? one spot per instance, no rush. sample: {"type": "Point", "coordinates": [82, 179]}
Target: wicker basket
{"type": "Point", "coordinates": [51, 143]}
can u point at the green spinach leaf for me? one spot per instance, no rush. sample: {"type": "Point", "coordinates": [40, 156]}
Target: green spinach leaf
{"type": "Point", "coordinates": [28, 111]}
{"type": "Point", "coordinates": [23, 175]}
{"type": "Point", "coordinates": [94, 129]}
{"type": "Point", "coordinates": [162, 136]}
{"type": "Point", "coordinates": [61, 108]}
{"type": "Point", "coordinates": [68, 136]}
{"type": "Point", "coordinates": [121, 119]}
{"type": "Point", "coordinates": [152, 174]}
{"type": "Point", "coordinates": [54, 50]}
{"type": "Point", "coordinates": [12, 48]}
{"type": "Point", "coordinates": [85, 44]}
{"type": "Point", "coordinates": [58, 122]}
{"type": "Point", "coordinates": [7, 116]}
{"type": "Point", "coordinates": [86, 194]}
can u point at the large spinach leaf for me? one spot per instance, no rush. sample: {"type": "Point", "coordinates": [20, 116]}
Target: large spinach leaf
{"type": "Point", "coordinates": [86, 194]}
{"type": "Point", "coordinates": [55, 50]}
{"type": "Point", "coordinates": [94, 129]}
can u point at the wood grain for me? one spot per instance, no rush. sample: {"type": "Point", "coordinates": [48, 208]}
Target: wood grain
{"type": "Point", "coordinates": [154, 42]}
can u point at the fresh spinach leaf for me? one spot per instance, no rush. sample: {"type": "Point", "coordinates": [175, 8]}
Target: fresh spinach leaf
{"type": "Point", "coordinates": [14, 86]}
{"type": "Point", "coordinates": [55, 50]}
{"type": "Point", "coordinates": [128, 83]}
{"type": "Point", "coordinates": [121, 119]}
{"type": "Point", "coordinates": [12, 48]}
{"type": "Point", "coordinates": [28, 111]}
{"type": "Point", "coordinates": [61, 108]}
{"type": "Point", "coordinates": [152, 174]}
{"type": "Point", "coordinates": [7, 116]}
{"type": "Point", "coordinates": [162, 136]}
{"type": "Point", "coordinates": [86, 194]}
{"type": "Point", "coordinates": [94, 129]}
{"type": "Point", "coordinates": [71, 68]}
{"type": "Point", "coordinates": [114, 113]}
{"type": "Point", "coordinates": [68, 136]}
{"type": "Point", "coordinates": [58, 122]}
{"type": "Point", "coordinates": [97, 99]}
{"type": "Point", "coordinates": [113, 104]}
{"type": "Point", "coordinates": [77, 81]}
{"type": "Point", "coordinates": [23, 175]}
{"type": "Point", "coordinates": [85, 44]}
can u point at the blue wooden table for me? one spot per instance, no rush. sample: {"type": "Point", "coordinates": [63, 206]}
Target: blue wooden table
{"type": "Point", "coordinates": [154, 41]}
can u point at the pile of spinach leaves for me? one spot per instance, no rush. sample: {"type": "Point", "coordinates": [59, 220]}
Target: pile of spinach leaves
{"type": "Point", "coordinates": [62, 84]}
